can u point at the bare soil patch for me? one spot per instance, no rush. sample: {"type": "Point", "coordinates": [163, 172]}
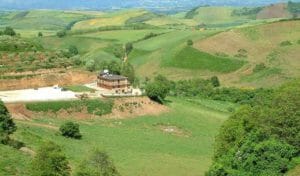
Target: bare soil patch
{"type": "Point", "coordinates": [136, 106]}
{"type": "Point", "coordinates": [174, 130]}
{"type": "Point", "coordinates": [19, 111]}
{"type": "Point", "coordinates": [45, 79]}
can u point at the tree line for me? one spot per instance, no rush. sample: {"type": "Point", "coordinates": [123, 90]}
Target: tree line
{"type": "Point", "coordinates": [261, 139]}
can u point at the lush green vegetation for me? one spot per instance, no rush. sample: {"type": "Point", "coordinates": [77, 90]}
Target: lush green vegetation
{"type": "Point", "coordinates": [93, 106]}
{"type": "Point", "coordinates": [261, 139]}
{"type": "Point", "coordinates": [158, 89]}
{"type": "Point", "coordinates": [50, 160]}
{"type": "Point", "coordinates": [294, 7]}
{"type": "Point", "coordinates": [191, 58]}
{"type": "Point", "coordinates": [78, 88]}
{"type": "Point", "coordinates": [14, 44]}
{"type": "Point", "coordinates": [7, 125]}
{"type": "Point", "coordinates": [98, 163]}
{"type": "Point", "coordinates": [187, 151]}
{"type": "Point", "coordinates": [246, 11]}
{"type": "Point", "coordinates": [70, 130]}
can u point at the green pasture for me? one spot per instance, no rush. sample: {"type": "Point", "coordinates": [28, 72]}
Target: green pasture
{"type": "Point", "coordinates": [138, 146]}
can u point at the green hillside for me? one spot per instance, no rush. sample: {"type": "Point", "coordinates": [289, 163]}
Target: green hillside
{"type": "Point", "coordinates": [133, 143]}
{"type": "Point", "coordinates": [275, 45]}
{"type": "Point", "coordinates": [110, 19]}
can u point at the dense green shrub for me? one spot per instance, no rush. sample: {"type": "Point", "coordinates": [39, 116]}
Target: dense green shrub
{"type": "Point", "coordinates": [9, 31]}
{"type": "Point", "coordinates": [190, 43]}
{"type": "Point", "coordinates": [128, 48]}
{"type": "Point", "coordinates": [158, 89]}
{"type": "Point", "coordinates": [261, 139]}
{"type": "Point", "coordinates": [294, 7]}
{"type": "Point", "coordinates": [286, 43]}
{"type": "Point", "coordinates": [90, 65]}
{"type": "Point", "coordinates": [215, 81]}
{"type": "Point", "coordinates": [259, 67]}
{"type": "Point", "coordinates": [245, 11]}
{"type": "Point", "coordinates": [40, 34]}
{"type": "Point", "coordinates": [73, 50]}
{"type": "Point", "coordinates": [206, 89]}
{"type": "Point", "coordinates": [70, 130]}
{"type": "Point", "coordinates": [94, 106]}
{"type": "Point", "coordinates": [98, 163]}
{"type": "Point", "coordinates": [61, 34]}
{"type": "Point", "coordinates": [49, 160]}
{"type": "Point", "coordinates": [15, 143]}
{"type": "Point", "coordinates": [7, 125]}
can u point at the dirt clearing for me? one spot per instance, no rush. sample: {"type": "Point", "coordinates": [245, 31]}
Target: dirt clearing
{"type": "Point", "coordinates": [47, 79]}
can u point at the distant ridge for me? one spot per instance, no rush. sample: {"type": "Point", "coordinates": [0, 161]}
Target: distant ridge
{"type": "Point", "coordinates": [165, 5]}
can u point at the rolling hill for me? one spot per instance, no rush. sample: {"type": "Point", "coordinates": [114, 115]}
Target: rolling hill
{"type": "Point", "coordinates": [111, 19]}
{"type": "Point", "coordinates": [275, 45]}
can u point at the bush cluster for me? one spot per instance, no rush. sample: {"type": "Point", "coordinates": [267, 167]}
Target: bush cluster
{"type": "Point", "coordinates": [93, 106]}
{"type": "Point", "coordinates": [70, 130]}
{"type": "Point", "coordinates": [210, 89]}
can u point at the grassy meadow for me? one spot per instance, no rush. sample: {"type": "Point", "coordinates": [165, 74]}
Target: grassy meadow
{"type": "Point", "coordinates": [138, 146]}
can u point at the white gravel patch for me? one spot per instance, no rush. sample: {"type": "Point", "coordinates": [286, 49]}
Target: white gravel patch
{"type": "Point", "coordinates": [41, 94]}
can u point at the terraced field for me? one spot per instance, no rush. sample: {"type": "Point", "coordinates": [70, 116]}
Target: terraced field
{"type": "Point", "coordinates": [112, 19]}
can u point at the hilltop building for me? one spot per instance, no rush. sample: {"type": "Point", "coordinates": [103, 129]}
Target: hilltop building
{"type": "Point", "coordinates": [116, 83]}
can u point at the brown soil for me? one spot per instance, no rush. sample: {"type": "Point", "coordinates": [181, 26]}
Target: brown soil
{"type": "Point", "coordinates": [123, 108]}
{"type": "Point", "coordinates": [45, 79]}
{"type": "Point", "coordinates": [19, 111]}
{"type": "Point", "coordinates": [274, 11]}
{"type": "Point", "coordinates": [134, 107]}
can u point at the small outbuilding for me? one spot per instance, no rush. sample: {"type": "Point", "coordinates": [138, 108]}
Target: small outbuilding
{"type": "Point", "coordinates": [117, 83]}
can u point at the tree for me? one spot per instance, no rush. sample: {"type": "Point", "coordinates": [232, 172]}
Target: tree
{"type": "Point", "coordinates": [158, 89]}
{"type": "Point", "coordinates": [114, 67]}
{"type": "Point", "coordinates": [190, 43]}
{"type": "Point", "coordinates": [90, 65]}
{"type": "Point", "coordinates": [61, 34]}
{"type": "Point", "coordinates": [73, 50]}
{"type": "Point", "coordinates": [215, 81]}
{"type": "Point", "coordinates": [98, 163]}
{"type": "Point", "coordinates": [40, 34]}
{"type": "Point", "coordinates": [261, 139]}
{"type": "Point", "coordinates": [49, 160]}
{"type": "Point", "coordinates": [9, 31]}
{"type": "Point", "coordinates": [128, 71]}
{"type": "Point", "coordinates": [76, 60]}
{"type": "Point", "coordinates": [7, 126]}
{"type": "Point", "coordinates": [70, 130]}
{"type": "Point", "coordinates": [128, 48]}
